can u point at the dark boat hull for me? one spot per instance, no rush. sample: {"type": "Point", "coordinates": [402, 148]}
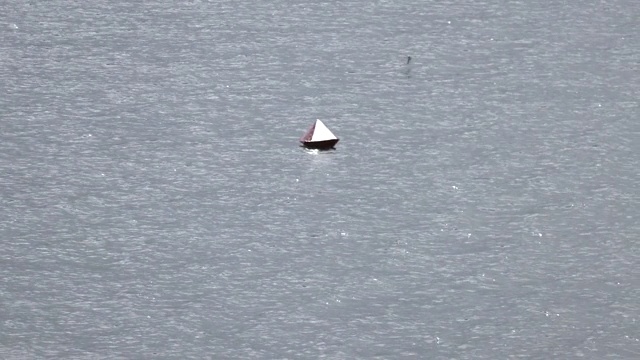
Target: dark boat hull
{"type": "Point", "coordinates": [320, 145]}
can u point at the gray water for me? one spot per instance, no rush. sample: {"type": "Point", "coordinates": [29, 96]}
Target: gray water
{"type": "Point", "coordinates": [483, 203]}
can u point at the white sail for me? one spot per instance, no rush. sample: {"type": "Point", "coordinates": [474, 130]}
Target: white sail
{"type": "Point", "coordinates": [322, 132]}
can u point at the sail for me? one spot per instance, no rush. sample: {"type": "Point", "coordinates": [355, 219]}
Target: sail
{"type": "Point", "coordinates": [309, 134]}
{"type": "Point", "coordinates": [320, 132]}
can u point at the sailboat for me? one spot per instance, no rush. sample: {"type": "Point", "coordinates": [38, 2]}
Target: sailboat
{"type": "Point", "coordinates": [319, 137]}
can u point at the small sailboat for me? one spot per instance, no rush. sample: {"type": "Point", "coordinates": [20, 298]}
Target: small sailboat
{"type": "Point", "coordinates": [319, 137]}
{"type": "Point", "coordinates": [407, 67]}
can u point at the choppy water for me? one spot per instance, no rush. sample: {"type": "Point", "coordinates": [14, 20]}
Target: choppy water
{"type": "Point", "coordinates": [482, 204]}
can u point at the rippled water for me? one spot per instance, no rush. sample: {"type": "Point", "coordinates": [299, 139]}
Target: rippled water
{"type": "Point", "coordinates": [482, 203]}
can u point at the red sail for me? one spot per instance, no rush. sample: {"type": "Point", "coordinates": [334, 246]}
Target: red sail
{"type": "Point", "coordinates": [307, 136]}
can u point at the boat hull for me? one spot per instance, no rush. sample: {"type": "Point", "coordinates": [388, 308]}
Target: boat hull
{"type": "Point", "coordinates": [320, 145]}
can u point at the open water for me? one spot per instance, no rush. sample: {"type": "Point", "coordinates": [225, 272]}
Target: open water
{"type": "Point", "coordinates": [482, 203]}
